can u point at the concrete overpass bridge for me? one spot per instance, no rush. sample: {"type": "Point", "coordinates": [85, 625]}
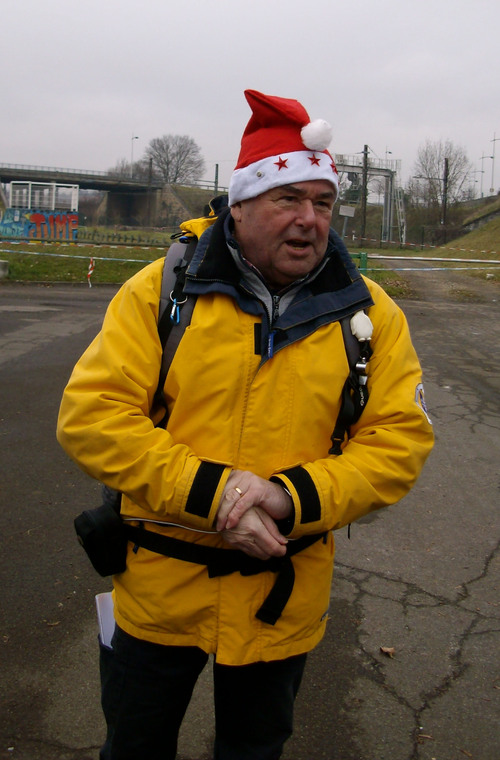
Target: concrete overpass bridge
{"type": "Point", "coordinates": [127, 199]}
{"type": "Point", "coordinates": [85, 179]}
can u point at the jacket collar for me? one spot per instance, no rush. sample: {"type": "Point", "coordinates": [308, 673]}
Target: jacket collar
{"type": "Point", "coordinates": [334, 290]}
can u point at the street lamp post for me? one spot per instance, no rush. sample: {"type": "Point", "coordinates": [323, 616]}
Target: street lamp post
{"type": "Point", "coordinates": [492, 188]}
{"type": "Point", "coordinates": [364, 191]}
{"type": "Point", "coordinates": [134, 137]}
{"type": "Point", "coordinates": [482, 170]}
{"type": "Point", "coordinates": [445, 193]}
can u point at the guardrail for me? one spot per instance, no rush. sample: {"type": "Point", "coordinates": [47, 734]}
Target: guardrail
{"type": "Point", "coordinates": [31, 168]}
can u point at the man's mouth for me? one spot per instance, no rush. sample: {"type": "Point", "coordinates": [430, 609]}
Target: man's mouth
{"type": "Point", "coordinates": [299, 245]}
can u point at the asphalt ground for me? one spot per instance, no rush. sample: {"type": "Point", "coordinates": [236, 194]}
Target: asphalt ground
{"type": "Point", "coordinates": [420, 578]}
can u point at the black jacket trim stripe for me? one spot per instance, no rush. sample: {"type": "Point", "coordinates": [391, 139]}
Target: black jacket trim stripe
{"type": "Point", "coordinates": [306, 490]}
{"type": "Point", "coordinates": [203, 489]}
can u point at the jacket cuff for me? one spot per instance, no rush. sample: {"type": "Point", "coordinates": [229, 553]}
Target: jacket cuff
{"type": "Point", "coordinates": [306, 502]}
{"type": "Point", "coordinates": [204, 494]}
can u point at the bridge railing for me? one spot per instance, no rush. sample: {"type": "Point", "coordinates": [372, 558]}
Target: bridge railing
{"type": "Point", "coordinates": [39, 168]}
{"type": "Point", "coordinates": [155, 181]}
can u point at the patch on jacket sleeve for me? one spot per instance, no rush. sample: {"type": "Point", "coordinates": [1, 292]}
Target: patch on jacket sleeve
{"type": "Point", "coordinates": [420, 400]}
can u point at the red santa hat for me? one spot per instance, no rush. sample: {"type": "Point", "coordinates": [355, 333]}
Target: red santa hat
{"type": "Point", "coordinates": [280, 146]}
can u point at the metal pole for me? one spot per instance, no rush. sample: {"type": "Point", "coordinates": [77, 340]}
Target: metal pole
{"type": "Point", "coordinates": [364, 191]}
{"type": "Point", "coordinates": [445, 190]}
{"type": "Point", "coordinates": [492, 188]}
{"type": "Point", "coordinates": [344, 228]}
{"type": "Point", "coordinates": [150, 179]}
{"type": "Point", "coordinates": [134, 137]}
{"type": "Point", "coordinates": [482, 170]}
{"type": "Point", "coordinates": [388, 211]}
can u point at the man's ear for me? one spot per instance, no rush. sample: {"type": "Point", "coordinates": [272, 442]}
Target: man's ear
{"type": "Point", "coordinates": [236, 212]}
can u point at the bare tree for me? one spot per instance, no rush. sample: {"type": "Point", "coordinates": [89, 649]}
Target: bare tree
{"type": "Point", "coordinates": [120, 169]}
{"type": "Point", "coordinates": [125, 170]}
{"type": "Point", "coordinates": [176, 158]}
{"type": "Point", "coordinates": [429, 183]}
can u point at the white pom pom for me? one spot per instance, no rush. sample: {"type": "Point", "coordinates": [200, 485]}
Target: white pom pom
{"type": "Point", "coordinates": [361, 326]}
{"type": "Point", "coordinates": [317, 135]}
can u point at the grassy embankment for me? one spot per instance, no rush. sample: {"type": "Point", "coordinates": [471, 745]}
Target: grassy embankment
{"type": "Point", "coordinates": [38, 261]}
{"type": "Point", "coordinates": [119, 255]}
{"type": "Point", "coordinates": [35, 261]}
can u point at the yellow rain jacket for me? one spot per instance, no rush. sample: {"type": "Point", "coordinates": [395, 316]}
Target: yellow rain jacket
{"type": "Point", "coordinates": [253, 386]}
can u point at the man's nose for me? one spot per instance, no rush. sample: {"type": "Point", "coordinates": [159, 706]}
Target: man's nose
{"type": "Point", "coordinates": [306, 216]}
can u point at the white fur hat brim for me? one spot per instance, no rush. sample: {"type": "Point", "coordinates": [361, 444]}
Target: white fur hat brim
{"type": "Point", "coordinates": [284, 169]}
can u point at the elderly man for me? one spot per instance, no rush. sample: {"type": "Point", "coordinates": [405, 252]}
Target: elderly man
{"type": "Point", "coordinates": [245, 464]}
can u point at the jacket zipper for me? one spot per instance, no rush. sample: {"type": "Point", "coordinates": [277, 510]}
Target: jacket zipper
{"type": "Point", "coordinates": [274, 316]}
{"type": "Point", "coordinates": [276, 308]}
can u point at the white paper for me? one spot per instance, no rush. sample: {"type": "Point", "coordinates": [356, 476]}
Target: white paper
{"type": "Point", "coordinates": [105, 617]}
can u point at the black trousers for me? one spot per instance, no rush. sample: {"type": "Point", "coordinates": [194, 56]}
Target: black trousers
{"type": "Point", "coordinates": [146, 689]}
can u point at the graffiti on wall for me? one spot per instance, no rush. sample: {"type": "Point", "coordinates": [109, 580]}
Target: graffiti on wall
{"type": "Point", "coordinates": [39, 225]}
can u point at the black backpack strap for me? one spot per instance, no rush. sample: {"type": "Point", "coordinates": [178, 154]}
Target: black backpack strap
{"type": "Point", "coordinates": [355, 391]}
{"type": "Point", "coordinates": [172, 296]}
{"type": "Point", "coordinates": [175, 308]}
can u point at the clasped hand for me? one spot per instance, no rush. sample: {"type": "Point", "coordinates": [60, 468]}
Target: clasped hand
{"type": "Point", "coordinates": [247, 512]}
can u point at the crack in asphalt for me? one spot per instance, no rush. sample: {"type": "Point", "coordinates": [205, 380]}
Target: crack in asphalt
{"type": "Point", "coordinates": [374, 668]}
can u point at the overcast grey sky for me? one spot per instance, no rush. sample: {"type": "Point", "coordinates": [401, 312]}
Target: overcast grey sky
{"type": "Point", "coordinates": [79, 79]}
